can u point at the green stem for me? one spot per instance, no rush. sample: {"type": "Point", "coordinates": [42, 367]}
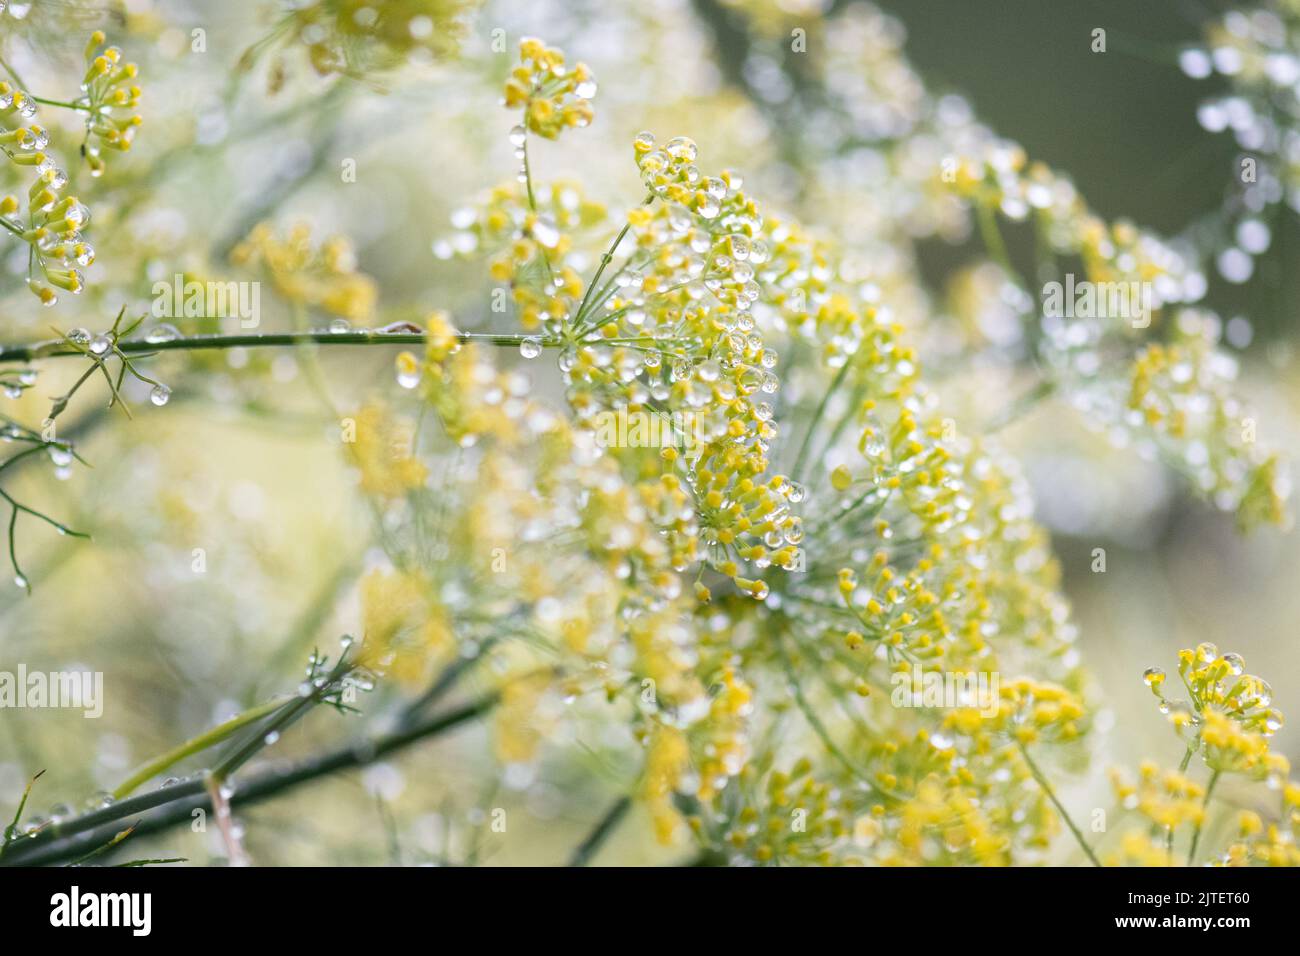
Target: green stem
{"type": "Point", "coordinates": [605, 260]}
{"type": "Point", "coordinates": [196, 745]}
{"type": "Point", "coordinates": [13, 73]}
{"type": "Point", "coordinates": [1060, 808]}
{"type": "Point", "coordinates": [797, 471]}
{"type": "Point", "coordinates": [1042, 390]}
{"type": "Point", "coordinates": [59, 348]}
{"type": "Point", "coordinates": [1196, 834]}
{"type": "Point", "coordinates": [992, 237]}
{"type": "Point", "coordinates": [600, 833]}
{"type": "Point", "coordinates": [12, 829]}
{"type": "Point", "coordinates": [66, 105]}
{"type": "Point", "coordinates": [52, 845]}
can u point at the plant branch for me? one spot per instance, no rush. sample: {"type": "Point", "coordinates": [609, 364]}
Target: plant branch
{"type": "Point", "coordinates": [63, 841]}
{"type": "Point", "coordinates": [59, 348]}
{"type": "Point", "coordinates": [1060, 808]}
{"type": "Point", "coordinates": [600, 832]}
{"type": "Point", "coordinates": [1205, 803]}
{"type": "Point", "coordinates": [196, 745]}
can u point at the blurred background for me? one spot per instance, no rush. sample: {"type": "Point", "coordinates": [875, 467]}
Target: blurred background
{"type": "Point", "coordinates": [245, 465]}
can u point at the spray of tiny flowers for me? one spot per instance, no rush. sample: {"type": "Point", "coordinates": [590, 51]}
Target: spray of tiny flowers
{"type": "Point", "coordinates": [721, 528]}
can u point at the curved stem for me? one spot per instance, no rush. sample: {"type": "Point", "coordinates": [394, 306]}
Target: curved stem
{"type": "Point", "coordinates": [1060, 808]}
{"type": "Point", "coordinates": [805, 447]}
{"type": "Point", "coordinates": [606, 258]}
{"type": "Point", "coordinates": [196, 745]}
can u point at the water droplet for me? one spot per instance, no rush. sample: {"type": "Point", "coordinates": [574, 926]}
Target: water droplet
{"type": "Point", "coordinates": [682, 148]}
{"type": "Point", "coordinates": [163, 333]}
{"type": "Point", "coordinates": [530, 347]}
{"type": "Point", "coordinates": [546, 232]}
{"type": "Point", "coordinates": [518, 136]}
{"type": "Point", "coordinates": [408, 370]}
{"type": "Point", "coordinates": [100, 344]}
{"type": "Point", "coordinates": [160, 394]}
{"type": "Point", "coordinates": [339, 326]}
{"type": "Point", "coordinates": [21, 582]}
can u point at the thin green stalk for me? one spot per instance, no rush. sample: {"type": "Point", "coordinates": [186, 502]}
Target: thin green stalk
{"type": "Point", "coordinates": [1042, 390]}
{"type": "Point", "coordinates": [1060, 808]}
{"type": "Point", "coordinates": [13, 73]}
{"type": "Point", "coordinates": [600, 832]}
{"type": "Point", "coordinates": [81, 107]}
{"type": "Point", "coordinates": [992, 237]}
{"type": "Point", "coordinates": [1196, 834]}
{"type": "Point", "coordinates": [605, 260]}
{"type": "Point", "coordinates": [196, 745]}
{"type": "Point", "coordinates": [810, 715]}
{"type": "Point", "coordinates": [68, 839]}
{"type": "Point", "coordinates": [59, 348]}
{"type": "Point", "coordinates": [280, 720]}
{"type": "Point", "coordinates": [18, 815]}
{"type": "Point", "coordinates": [797, 471]}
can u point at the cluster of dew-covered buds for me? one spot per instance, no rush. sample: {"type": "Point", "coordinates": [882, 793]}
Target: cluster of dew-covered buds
{"type": "Point", "coordinates": [54, 222]}
{"type": "Point", "coordinates": [1219, 682]}
{"type": "Point", "coordinates": [1229, 717]}
{"type": "Point", "coordinates": [109, 92]}
{"type": "Point", "coordinates": [554, 96]}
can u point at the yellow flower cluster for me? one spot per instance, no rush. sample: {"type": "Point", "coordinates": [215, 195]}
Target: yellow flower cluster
{"type": "Point", "coordinates": [1000, 180]}
{"type": "Point", "coordinates": [382, 448]}
{"type": "Point", "coordinates": [1268, 844]}
{"type": "Point", "coordinates": [53, 224]}
{"type": "Point", "coordinates": [537, 257]}
{"type": "Point", "coordinates": [1227, 720]}
{"type": "Point", "coordinates": [1165, 798]}
{"type": "Point", "coordinates": [1254, 52]}
{"type": "Point", "coordinates": [922, 163]}
{"type": "Point", "coordinates": [353, 37]}
{"type": "Point", "coordinates": [1219, 684]}
{"type": "Point", "coordinates": [781, 818]}
{"type": "Point", "coordinates": [1181, 392]}
{"type": "Point", "coordinates": [553, 97]}
{"type": "Point", "coordinates": [406, 628]}
{"type": "Point", "coordinates": [923, 553]}
{"type": "Point", "coordinates": [110, 91]}
{"type": "Point", "coordinates": [323, 276]}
